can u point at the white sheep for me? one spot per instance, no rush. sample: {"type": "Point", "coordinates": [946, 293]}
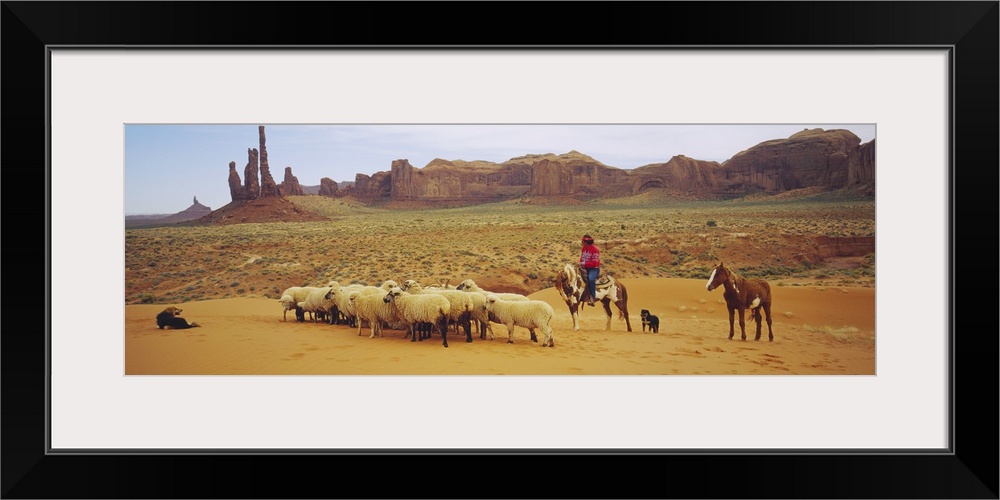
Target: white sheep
{"type": "Point", "coordinates": [366, 289]}
{"type": "Point", "coordinates": [480, 316]}
{"type": "Point", "coordinates": [470, 286]}
{"type": "Point", "coordinates": [373, 309]}
{"type": "Point", "coordinates": [287, 303]}
{"type": "Point", "coordinates": [341, 298]}
{"type": "Point", "coordinates": [440, 286]}
{"type": "Point", "coordinates": [528, 314]}
{"type": "Point", "coordinates": [318, 302]}
{"type": "Point", "coordinates": [291, 297]}
{"type": "Point", "coordinates": [423, 308]}
{"type": "Point", "coordinates": [461, 303]}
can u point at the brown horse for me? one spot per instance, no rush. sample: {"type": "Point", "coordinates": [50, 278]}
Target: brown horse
{"type": "Point", "coordinates": [742, 294]}
{"type": "Point", "coordinates": [572, 286]}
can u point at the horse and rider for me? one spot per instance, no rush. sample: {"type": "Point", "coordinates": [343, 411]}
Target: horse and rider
{"type": "Point", "coordinates": [590, 261]}
{"type": "Point", "coordinates": [577, 284]}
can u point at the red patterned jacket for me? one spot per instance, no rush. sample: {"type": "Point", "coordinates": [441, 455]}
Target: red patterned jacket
{"type": "Point", "coordinates": [590, 256]}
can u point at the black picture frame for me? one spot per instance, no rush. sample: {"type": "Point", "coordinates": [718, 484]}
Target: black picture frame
{"type": "Point", "coordinates": [969, 28]}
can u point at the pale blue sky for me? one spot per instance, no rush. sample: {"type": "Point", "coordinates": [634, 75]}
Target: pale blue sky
{"type": "Point", "coordinates": [167, 165]}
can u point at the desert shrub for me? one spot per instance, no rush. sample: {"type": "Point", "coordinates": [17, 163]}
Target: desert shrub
{"type": "Point", "coordinates": [711, 223]}
{"type": "Point", "coordinates": [680, 258]}
{"type": "Point", "coordinates": [708, 255]}
{"type": "Point", "coordinates": [869, 260]}
{"type": "Point", "coordinates": [147, 298]}
{"type": "Point", "coordinates": [691, 274]}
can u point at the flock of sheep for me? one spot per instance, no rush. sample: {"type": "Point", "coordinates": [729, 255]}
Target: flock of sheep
{"type": "Point", "coordinates": [420, 309]}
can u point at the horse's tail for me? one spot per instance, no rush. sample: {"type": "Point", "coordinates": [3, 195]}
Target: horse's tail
{"type": "Point", "coordinates": [621, 310]}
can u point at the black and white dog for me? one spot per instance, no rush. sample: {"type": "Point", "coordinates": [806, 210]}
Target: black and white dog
{"type": "Point", "coordinates": [649, 320]}
{"type": "Point", "coordinates": [170, 319]}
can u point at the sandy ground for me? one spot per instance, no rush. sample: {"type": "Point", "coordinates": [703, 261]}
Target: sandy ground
{"type": "Point", "coordinates": [817, 331]}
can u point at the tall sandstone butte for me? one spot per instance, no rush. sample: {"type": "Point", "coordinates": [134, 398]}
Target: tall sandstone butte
{"type": "Point", "coordinates": [236, 189]}
{"type": "Point", "coordinates": [327, 187]}
{"type": "Point", "coordinates": [268, 188]}
{"type": "Point", "coordinates": [401, 177]}
{"type": "Point", "coordinates": [290, 185]}
{"type": "Point", "coordinates": [252, 185]}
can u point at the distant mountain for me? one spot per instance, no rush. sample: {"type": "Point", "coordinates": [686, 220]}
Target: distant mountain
{"type": "Point", "coordinates": [195, 211]}
{"type": "Point", "coordinates": [265, 209]}
{"type": "Point", "coordinates": [144, 219]}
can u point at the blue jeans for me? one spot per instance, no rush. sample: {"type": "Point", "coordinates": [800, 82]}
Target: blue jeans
{"type": "Point", "coordinates": [592, 282]}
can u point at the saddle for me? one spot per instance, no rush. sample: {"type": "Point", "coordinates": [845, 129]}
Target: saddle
{"type": "Point", "coordinates": [604, 280]}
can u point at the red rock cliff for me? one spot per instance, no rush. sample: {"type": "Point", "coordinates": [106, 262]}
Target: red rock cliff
{"type": "Point", "coordinates": [813, 157]}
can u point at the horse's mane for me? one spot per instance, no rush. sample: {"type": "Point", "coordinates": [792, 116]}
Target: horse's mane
{"type": "Point", "coordinates": [566, 276]}
{"type": "Point", "coordinates": [741, 283]}
{"type": "Point", "coordinates": [734, 276]}
{"type": "Point", "coordinates": [570, 271]}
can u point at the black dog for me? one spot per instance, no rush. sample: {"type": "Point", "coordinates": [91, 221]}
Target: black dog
{"type": "Point", "coordinates": [170, 319]}
{"type": "Point", "coordinates": [649, 319]}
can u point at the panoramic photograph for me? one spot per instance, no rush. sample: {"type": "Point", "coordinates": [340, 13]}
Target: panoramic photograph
{"type": "Point", "coordinates": [525, 249]}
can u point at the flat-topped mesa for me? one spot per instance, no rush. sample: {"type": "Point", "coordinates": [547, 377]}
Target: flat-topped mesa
{"type": "Point", "coordinates": [327, 187]}
{"type": "Point", "coordinates": [812, 157]}
{"type": "Point", "coordinates": [236, 189]}
{"type": "Point", "coordinates": [268, 187]}
{"type": "Point", "coordinates": [251, 188]}
{"type": "Point", "coordinates": [290, 185]}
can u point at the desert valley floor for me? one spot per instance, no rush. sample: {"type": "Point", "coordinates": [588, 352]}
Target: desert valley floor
{"type": "Point", "coordinates": [228, 278]}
